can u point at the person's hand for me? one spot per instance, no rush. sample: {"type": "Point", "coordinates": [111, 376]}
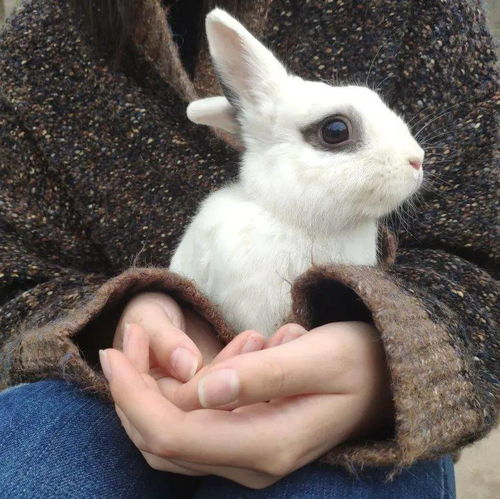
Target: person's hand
{"type": "Point", "coordinates": [325, 387]}
{"type": "Point", "coordinates": [181, 342]}
{"type": "Point", "coordinates": [337, 358]}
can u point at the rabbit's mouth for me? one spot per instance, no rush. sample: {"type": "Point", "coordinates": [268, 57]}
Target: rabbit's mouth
{"type": "Point", "coordinates": [387, 196]}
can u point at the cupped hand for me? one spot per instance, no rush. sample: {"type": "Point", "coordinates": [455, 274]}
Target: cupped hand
{"type": "Point", "coordinates": [325, 387]}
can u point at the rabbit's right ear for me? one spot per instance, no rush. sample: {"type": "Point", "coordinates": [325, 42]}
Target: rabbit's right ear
{"type": "Point", "coordinates": [213, 111]}
{"type": "Point", "coordinates": [247, 70]}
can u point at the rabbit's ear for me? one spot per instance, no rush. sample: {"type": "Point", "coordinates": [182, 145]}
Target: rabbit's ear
{"type": "Point", "coordinates": [247, 70]}
{"type": "Point", "coordinates": [213, 111]}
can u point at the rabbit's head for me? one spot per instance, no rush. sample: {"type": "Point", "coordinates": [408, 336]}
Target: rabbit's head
{"type": "Point", "coordinates": [317, 155]}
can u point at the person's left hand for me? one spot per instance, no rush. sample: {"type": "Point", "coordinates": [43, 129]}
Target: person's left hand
{"type": "Point", "coordinates": [325, 387]}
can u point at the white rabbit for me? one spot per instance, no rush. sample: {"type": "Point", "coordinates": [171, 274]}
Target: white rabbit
{"type": "Point", "coordinates": [321, 165]}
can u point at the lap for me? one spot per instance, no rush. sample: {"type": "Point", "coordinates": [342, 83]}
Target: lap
{"type": "Point", "coordinates": [58, 441]}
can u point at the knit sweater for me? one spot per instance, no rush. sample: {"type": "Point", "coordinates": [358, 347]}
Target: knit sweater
{"type": "Point", "coordinates": [100, 173]}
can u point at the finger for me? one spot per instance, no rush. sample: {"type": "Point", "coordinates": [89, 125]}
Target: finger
{"type": "Point", "coordinates": [245, 342]}
{"type": "Point", "coordinates": [162, 464]}
{"type": "Point", "coordinates": [130, 430]}
{"type": "Point", "coordinates": [284, 334]}
{"type": "Point", "coordinates": [136, 347]}
{"type": "Point", "coordinates": [169, 388]}
{"type": "Point", "coordinates": [168, 432]}
{"type": "Point", "coordinates": [203, 335]}
{"type": "Point", "coordinates": [156, 462]}
{"type": "Point", "coordinates": [136, 399]}
{"type": "Point", "coordinates": [313, 363]}
{"type": "Point", "coordinates": [171, 347]}
{"type": "Point", "coordinates": [243, 476]}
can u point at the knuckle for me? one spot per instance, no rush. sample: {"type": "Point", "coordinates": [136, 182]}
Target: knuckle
{"type": "Point", "coordinates": [347, 358]}
{"type": "Point", "coordinates": [279, 465]}
{"type": "Point", "coordinates": [159, 445]}
{"type": "Point", "coordinates": [343, 356]}
{"type": "Point", "coordinates": [141, 311]}
{"type": "Point", "coordinates": [154, 303]}
{"type": "Point", "coordinates": [157, 463]}
{"type": "Point", "coordinates": [260, 483]}
{"type": "Point", "coordinates": [278, 469]}
{"type": "Point", "coordinates": [140, 300]}
{"type": "Point", "coordinates": [170, 308]}
{"type": "Point", "coordinates": [152, 461]}
{"type": "Point", "coordinates": [341, 363]}
{"type": "Point", "coordinates": [249, 332]}
{"type": "Point", "coordinates": [276, 375]}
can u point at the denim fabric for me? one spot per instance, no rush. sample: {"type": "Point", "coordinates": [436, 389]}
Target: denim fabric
{"type": "Point", "coordinates": [56, 441]}
{"type": "Point", "coordinates": [425, 480]}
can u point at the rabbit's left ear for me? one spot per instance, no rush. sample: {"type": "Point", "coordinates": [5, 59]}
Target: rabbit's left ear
{"type": "Point", "coordinates": [247, 70]}
{"type": "Point", "coordinates": [213, 111]}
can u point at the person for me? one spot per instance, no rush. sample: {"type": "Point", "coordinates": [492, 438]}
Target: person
{"type": "Point", "coordinates": [100, 172]}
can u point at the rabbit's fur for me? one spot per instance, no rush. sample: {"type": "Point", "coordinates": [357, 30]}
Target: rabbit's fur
{"type": "Point", "coordinates": [298, 200]}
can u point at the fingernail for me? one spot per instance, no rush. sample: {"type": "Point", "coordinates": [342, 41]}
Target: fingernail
{"type": "Point", "coordinates": [184, 363]}
{"type": "Point", "coordinates": [106, 368]}
{"type": "Point", "coordinates": [219, 388]}
{"type": "Point", "coordinates": [253, 343]}
{"type": "Point", "coordinates": [294, 332]}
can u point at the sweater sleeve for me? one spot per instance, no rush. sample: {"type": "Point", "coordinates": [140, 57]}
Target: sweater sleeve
{"type": "Point", "coordinates": [436, 306]}
{"type": "Point", "coordinates": [60, 299]}
{"type": "Point", "coordinates": [436, 316]}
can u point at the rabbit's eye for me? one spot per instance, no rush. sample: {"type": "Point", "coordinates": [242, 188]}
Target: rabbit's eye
{"type": "Point", "coordinates": [335, 131]}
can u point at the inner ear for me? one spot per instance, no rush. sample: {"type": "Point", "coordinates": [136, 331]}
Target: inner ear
{"type": "Point", "coordinates": [229, 93]}
{"type": "Point", "coordinates": [233, 65]}
{"type": "Point", "coordinates": [247, 70]}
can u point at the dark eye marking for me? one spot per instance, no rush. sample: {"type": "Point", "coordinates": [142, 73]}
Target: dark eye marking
{"type": "Point", "coordinates": [335, 133]}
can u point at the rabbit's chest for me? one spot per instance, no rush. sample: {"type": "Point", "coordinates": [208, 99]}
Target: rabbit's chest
{"type": "Point", "coordinates": [245, 260]}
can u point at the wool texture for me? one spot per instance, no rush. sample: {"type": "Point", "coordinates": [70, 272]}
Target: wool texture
{"type": "Point", "coordinates": [100, 172]}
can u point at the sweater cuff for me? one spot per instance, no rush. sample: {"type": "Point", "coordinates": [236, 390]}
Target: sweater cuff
{"type": "Point", "coordinates": [50, 350]}
{"type": "Point", "coordinates": [432, 398]}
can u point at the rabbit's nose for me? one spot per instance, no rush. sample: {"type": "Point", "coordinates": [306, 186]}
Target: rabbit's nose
{"type": "Point", "coordinates": [415, 163]}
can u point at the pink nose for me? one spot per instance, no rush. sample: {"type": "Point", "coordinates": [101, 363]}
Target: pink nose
{"type": "Point", "coordinates": [415, 163]}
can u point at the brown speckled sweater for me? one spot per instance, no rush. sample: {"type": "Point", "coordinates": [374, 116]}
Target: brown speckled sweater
{"type": "Point", "coordinates": [99, 173]}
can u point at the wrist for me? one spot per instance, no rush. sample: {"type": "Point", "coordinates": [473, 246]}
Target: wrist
{"type": "Point", "coordinates": [373, 413]}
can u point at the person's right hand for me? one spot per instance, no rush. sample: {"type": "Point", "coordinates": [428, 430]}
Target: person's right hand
{"type": "Point", "coordinates": [181, 342]}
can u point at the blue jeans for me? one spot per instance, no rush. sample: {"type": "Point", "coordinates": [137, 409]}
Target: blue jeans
{"type": "Point", "coordinates": [56, 441]}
